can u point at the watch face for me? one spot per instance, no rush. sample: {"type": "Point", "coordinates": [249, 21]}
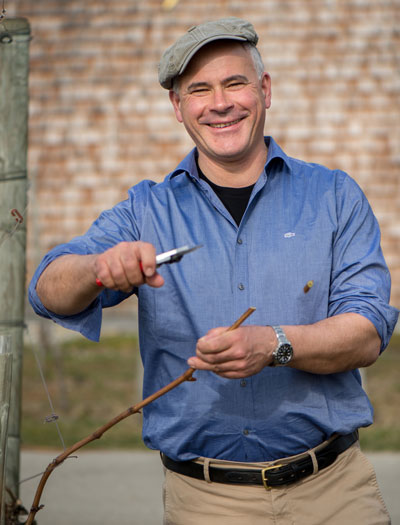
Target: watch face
{"type": "Point", "coordinates": [284, 354]}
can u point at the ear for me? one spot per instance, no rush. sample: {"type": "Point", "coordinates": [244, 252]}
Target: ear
{"type": "Point", "coordinates": [176, 103]}
{"type": "Point", "coordinates": [266, 88]}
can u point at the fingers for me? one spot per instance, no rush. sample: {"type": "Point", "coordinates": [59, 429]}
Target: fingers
{"type": "Point", "coordinates": [216, 340]}
{"type": "Point", "coordinates": [235, 369]}
{"type": "Point", "coordinates": [120, 267]}
{"type": "Point", "coordinates": [234, 354]}
{"type": "Point", "coordinates": [224, 369]}
{"type": "Point", "coordinates": [216, 347]}
{"type": "Point", "coordinates": [217, 351]}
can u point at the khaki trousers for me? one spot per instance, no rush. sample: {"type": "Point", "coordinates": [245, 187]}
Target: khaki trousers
{"type": "Point", "coordinates": [345, 493]}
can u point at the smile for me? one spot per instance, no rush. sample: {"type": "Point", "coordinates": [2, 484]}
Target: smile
{"type": "Point", "coordinates": [225, 124]}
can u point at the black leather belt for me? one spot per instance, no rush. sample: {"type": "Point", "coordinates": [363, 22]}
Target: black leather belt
{"type": "Point", "coordinates": [272, 476]}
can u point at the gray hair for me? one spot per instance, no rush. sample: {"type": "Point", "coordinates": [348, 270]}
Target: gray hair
{"type": "Point", "coordinates": [255, 55]}
{"type": "Point", "coordinates": [257, 60]}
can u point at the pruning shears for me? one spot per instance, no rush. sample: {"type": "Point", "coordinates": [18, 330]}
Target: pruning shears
{"type": "Point", "coordinates": [169, 257]}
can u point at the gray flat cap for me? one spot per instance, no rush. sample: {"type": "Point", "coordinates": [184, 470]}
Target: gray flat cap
{"type": "Point", "coordinates": [176, 58]}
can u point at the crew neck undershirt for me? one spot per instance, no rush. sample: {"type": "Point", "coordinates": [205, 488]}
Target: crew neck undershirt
{"type": "Point", "coordinates": [235, 200]}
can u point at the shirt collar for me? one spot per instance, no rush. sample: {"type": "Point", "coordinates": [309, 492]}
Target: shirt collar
{"type": "Point", "coordinates": [275, 152]}
{"type": "Point", "coordinates": [188, 164]}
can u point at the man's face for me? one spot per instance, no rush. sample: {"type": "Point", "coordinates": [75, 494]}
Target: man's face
{"type": "Point", "coordinates": [222, 103]}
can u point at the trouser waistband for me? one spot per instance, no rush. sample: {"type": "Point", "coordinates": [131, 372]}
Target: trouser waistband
{"type": "Point", "coordinates": [271, 476]}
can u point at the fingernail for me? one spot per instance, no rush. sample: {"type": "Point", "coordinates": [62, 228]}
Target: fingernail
{"type": "Point", "coordinates": [191, 362]}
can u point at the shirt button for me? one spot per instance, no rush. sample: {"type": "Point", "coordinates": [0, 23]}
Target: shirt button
{"type": "Point", "coordinates": [243, 382]}
{"type": "Point", "coordinates": [241, 286]}
{"type": "Point", "coordinates": [239, 241]}
{"type": "Point", "coordinates": [246, 432]}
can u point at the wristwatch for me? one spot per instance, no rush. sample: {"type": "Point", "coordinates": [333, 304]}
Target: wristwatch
{"type": "Point", "coordinates": [283, 353]}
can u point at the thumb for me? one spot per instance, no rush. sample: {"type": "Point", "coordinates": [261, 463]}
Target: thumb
{"type": "Point", "coordinates": [156, 280]}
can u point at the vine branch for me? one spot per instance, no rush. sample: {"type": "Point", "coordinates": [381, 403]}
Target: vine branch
{"type": "Point", "coordinates": [97, 434]}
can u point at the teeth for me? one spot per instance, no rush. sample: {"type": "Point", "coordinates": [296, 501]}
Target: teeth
{"type": "Point", "coordinates": [225, 124]}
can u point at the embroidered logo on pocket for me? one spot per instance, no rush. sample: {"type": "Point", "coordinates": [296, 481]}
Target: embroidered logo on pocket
{"type": "Point", "coordinates": [289, 234]}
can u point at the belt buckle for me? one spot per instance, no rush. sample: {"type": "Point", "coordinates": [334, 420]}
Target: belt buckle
{"type": "Point", "coordinates": [263, 477]}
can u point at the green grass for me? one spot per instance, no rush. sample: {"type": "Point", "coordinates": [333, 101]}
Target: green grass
{"type": "Point", "coordinates": [383, 388]}
{"type": "Point", "coordinates": [90, 383]}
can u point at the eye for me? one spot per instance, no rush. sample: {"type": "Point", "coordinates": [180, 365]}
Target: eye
{"type": "Point", "coordinates": [236, 85]}
{"type": "Point", "coordinates": [199, 91]}
{"type": "Point", "coordinates": [198, 88]}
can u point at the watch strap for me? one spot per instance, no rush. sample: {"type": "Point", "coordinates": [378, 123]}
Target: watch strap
{"type": "Point", "coordinates": [283, 341]}
{"type": "Point", "coordinates": [280, 335]}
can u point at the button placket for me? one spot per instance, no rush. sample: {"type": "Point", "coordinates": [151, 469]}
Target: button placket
{"type": "Point", "coordinates": [239, 241]}
{"type": "Point", "coordinates": [241, 270]}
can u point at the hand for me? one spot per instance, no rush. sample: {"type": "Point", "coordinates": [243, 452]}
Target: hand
{"type": "Point", "coordinates": [238, 353]}
{"type": "Point", "coordinates": [118, 268]}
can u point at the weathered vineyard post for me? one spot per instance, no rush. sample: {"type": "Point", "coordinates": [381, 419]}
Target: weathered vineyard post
{"type": "Point", "coordinates": [14, 60]}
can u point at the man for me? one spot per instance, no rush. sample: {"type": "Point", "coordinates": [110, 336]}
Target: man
{"type": "Point", "coordinates": [268, 432]}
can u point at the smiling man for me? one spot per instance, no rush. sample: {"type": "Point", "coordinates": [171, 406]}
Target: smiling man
{"type": "Point", "coordinates": [221, 100]}
{"type": "Point", "coordinates": [269, 431]}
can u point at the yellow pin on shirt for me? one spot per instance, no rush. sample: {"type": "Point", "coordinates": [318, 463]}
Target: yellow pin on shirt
{"type": "Point", "coordinates": [308, 286]}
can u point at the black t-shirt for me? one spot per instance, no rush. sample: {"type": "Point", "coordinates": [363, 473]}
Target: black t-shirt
{"type": "Point", "coordinates": [235, 200]}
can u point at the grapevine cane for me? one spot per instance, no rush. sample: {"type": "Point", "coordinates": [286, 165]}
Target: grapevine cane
{"type": "Point", "coordinates": [186, 376]}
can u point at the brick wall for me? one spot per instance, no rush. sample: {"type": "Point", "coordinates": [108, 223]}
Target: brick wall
{"type": "Point", "coordinates": [99, 122]}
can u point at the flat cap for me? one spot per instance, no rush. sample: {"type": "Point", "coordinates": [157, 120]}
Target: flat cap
{"type": "Point", "coordinates": [176, 57]}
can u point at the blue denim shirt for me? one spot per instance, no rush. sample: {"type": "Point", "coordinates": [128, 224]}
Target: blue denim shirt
{"type": "Point", "coordinates": [303, 222]}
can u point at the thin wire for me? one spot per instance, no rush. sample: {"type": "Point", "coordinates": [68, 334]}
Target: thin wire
{"type": "Point", "coordinates": [41, 473]}
{"type": "Point", "coordinates": [48, 419]}
{"type": "Point", "coordinates": [31, 477]}
{"type": "Point", "coordinates": [53, 417]}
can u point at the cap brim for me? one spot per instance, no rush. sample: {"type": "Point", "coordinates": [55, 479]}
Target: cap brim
{"type": "Point", "coordinates": [203, 43]}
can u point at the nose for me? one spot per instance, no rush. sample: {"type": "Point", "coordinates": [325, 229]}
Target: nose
{"type": "Point", "coordinates": [221, 101]}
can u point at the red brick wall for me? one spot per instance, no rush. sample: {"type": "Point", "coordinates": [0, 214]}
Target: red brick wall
{"type": "Point", "coordinates": [99, 121]}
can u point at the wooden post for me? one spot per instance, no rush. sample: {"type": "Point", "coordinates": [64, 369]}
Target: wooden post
{"type": "Point", "coordinates": [14, 59]}
{"type": "Point", "coordinates": [5, 388]}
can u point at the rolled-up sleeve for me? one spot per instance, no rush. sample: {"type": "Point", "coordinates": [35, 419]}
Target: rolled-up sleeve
{"type": "Point", "coordinates": [360, 278]}
{"type": "Point", "coordinates": [111, 227]}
